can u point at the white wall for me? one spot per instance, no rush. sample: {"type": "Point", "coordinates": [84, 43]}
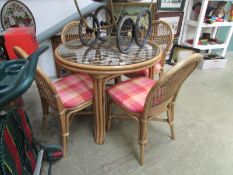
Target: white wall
{"type": "Point", "coordinates": [46, 61]}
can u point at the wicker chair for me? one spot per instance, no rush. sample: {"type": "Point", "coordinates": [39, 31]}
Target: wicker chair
{"type": "Point", "coordinates": [67, 95]}
{"type": "Point", "coordinates": [144, 99]}
{"type": "Point", "coordinates": [70, 31]}
{"type": "Point", "coordinates": [163, 36]}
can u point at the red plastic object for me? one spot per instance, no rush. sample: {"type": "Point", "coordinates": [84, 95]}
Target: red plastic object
{"type": "Point", "coordinates": [23, 37]}
{"type": "Point", "coordinates": [219, 20]}
{"type": "Point", "coordinates": [190, 41]}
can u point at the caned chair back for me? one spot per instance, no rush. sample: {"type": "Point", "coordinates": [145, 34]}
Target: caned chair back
{"type": "Point", "coordinates": [165, 90]}
{"type": "Point", "coordinates": [47, 90]}
{"type": "Point", "coordinates": [163, 36]}
{"type": "Point", "coordinates": [45, 87]}
{"type": "Point", "coordinates": [50, 97]}
{"type": "Point", "coordinates": [70, 31]}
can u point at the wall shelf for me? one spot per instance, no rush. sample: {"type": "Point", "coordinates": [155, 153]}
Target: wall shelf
{"type": "Point", "coordinates": [194, 29]}
{"type": "Point", "coordinates": [215, 24]}
{"type": "Point", "coordinates": [206, 47]}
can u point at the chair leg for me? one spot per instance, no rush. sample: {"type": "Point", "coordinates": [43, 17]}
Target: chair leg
{"type": "Point", "coordinates": [170, 115]}
{"type": "Point", "coordinates": [161, 73]}
{"type": "Point", "coordinates": [117, 80]}
{"type": "Point", "coordinates": [109, 112]}
{"type": "Point", "coordinates": [69, 119]}
{"type": "Point", "coordinates": [64, 133]}
{"type": "Point", "coordinates": [45, 109]}
{"type": "Point", "coordinates": [142, 139]}
{"type": "Point", "coordinates": [142, 155]}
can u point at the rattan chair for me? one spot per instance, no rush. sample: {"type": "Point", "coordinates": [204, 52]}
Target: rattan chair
{"type": "Point", "coordinates": [70, 31]}
{"type": "Point", "coordinates": [144, 99]}
{"type": "Point", "coordinates": [163, 36]}
{"type": "Point", "coordinates": [67, 95]}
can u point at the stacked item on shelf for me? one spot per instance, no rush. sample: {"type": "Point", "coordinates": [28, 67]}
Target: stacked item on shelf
{"type": "Point", "coordinates": [206, 39]}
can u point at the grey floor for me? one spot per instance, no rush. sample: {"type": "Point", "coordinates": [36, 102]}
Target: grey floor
{"type": "Point", "coordinates": [204, 135]}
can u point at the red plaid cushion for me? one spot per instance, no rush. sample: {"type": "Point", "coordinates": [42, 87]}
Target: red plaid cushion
{"type": "Point", "coordinates": [75, 89]}
{"type": "Point", "coordinates": [145, 72]}
{"type": "Point", "coordinates": [131, 94]}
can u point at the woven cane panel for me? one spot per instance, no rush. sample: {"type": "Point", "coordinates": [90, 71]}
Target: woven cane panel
{"type": "Point", "coordinates": [171, 85]}
{"type": "Point", "coordinates": [106, 53]}
{"type": "Point", "coordinates": [161, 35]}
{"type": "Point", "coordinates": [70, 31]}
{"type": "Point", "coordinates": [45, 90]}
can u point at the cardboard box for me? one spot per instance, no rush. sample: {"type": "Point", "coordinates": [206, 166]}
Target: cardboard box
{"type": "Point", "coordinates": [214, 64]}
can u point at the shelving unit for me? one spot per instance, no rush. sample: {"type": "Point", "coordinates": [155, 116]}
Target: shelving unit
{"type": "Point", "coordinates": [194, 29]}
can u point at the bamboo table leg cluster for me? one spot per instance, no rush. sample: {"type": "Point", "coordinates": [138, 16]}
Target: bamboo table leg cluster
{"type": "Point", "coordinates": [99, 106]}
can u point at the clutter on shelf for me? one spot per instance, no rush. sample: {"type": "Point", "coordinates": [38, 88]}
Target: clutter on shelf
{"type": "Point", "coordinates": [230, 13]}
{"type": "Point", "coordinates": [203, 41]}
{"type": "Point", "coordinates": [219, 12]}
{"type": "Point", "coordinates": [197, 8]}
{"type": "Point", "coordinates": [213, 14]}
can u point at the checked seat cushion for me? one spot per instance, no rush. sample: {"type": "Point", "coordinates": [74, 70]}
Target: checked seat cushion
{"type": "Point", "coordinates": [131, 94]}
{"type": "Point", "coordinates": [74, 90]}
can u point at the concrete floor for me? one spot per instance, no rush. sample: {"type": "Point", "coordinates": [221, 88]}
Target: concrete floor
{"type": "Point", "coordinates": [204, 136]}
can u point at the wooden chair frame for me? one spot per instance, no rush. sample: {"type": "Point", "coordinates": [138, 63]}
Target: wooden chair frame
{"type": "Point", "coordinates": [70, 31]}
{"type": "Point", "coordinates": [161, 98]}
{"type": "Point", "coordinates": [162, 35]}
{"type": "Point", "coordinates": [50, 98]}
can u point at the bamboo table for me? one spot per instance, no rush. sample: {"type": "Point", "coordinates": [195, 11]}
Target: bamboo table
{"type": "Point", "coordinates": [104, 62]}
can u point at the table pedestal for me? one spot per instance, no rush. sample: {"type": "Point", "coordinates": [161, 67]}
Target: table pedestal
{"type": "Point", "coordinates": [99, 106]}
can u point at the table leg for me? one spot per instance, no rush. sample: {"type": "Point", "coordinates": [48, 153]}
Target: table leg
{"type": "Point", "coordinates": [99, 106]}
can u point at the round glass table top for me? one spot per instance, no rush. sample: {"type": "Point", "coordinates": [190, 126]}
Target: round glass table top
{"type": "Point", "coordinates": [106, 53]}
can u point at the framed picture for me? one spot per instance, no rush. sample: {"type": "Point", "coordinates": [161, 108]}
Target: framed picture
{"type": "Point", "coordinates": [132, 9]}
{"type": "Point", "coordinates": [176, 53]}
{"type": "Point", "coordinates": [172, 18]}
{"type": "Point", "coordinates": [15, 14]}
{"type": "Point", "coordinates": [171, 5]}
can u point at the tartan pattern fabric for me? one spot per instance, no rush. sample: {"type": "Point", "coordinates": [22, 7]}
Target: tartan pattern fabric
{"type": "Point", "coordinates": [145, 72]}
{"type": "Point", "coordinates": [131, 94]}
{"type": "Point", "coordinates": [17, 154]}
{"type": "Point", "coordinates": [75, 89]}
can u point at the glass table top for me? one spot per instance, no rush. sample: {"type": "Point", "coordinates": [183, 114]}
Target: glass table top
{"type": "Point", "coordinates": [106, 53]}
